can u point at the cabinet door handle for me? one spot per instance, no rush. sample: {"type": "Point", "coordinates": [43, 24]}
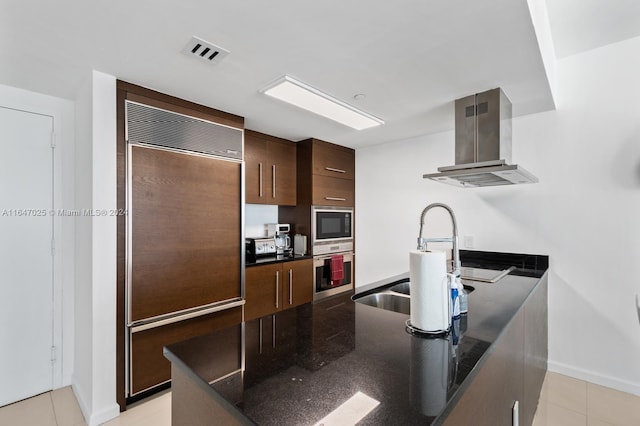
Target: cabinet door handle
{"type": "Point", "coordinates": [331, 169]}
{"type": "Point", "coordinates": [260, 178]}
{"type": "Point", "coordinates": [335, 199]}
{"type": "Point", "coordinates": [260, 341]}
{"type": "Point", "coordinates": [291, 286]}
{"type": "Point", "coordinates": [277, 285]}
{"type": "Point", "coordinates": [273, 180]}
{"type": "Point", "coordinates": [515, 414]}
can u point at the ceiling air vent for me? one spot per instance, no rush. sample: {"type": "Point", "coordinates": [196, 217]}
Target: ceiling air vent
{"type": "Point", "coordinates": [205, 51]}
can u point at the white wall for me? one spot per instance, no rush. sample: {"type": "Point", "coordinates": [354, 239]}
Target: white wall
{"type": "Point", "coordinates": [95, 291]}
{"type": "Point", "coordinates": [258, 215]}
{"type": "Point", "coordinates": [82, 376]}
{"type": "Point", "coordinates": [62, 111]}
{"type": "Point", "coordinates": [104, 248]}
{"type": "Point", "coordinates": [583, 213]}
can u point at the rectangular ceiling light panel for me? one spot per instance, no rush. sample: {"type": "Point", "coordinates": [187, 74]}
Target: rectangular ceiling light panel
{"type": "Point", "coordinates": [302, 95]}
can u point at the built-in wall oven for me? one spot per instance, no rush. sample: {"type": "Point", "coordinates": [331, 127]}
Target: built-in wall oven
{"type": "Point", "coordinates": [323, 284]}
{"type": "Point", "coordinates": [332, 249]}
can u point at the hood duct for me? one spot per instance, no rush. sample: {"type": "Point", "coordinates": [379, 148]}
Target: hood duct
{"type": "Point", "coordinates": [483, 144]}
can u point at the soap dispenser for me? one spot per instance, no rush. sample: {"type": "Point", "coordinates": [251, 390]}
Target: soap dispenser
{"type": "Point", "coordinates": [463, 296]}
{"type": "Point", "coordinates": [455, 296]}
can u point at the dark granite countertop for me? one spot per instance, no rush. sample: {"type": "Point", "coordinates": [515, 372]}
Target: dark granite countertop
{"type": "Point", "coordinates": [302, 363]}
{"type": "Point", "coordinates": [275, 259]}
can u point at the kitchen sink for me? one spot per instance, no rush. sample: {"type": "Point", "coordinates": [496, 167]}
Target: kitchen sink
{"type": "Point", "coordinates": [404, 288]}
{"type": "Point", "coordinates": [388, 301]}
{"type": "Point", "coordinates": [395, 298]}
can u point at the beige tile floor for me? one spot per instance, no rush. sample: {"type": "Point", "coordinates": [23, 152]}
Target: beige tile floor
{"type": "Point", "coordinates": [56, 408]}
{"type": "Point", "coordinates": [564, 401]}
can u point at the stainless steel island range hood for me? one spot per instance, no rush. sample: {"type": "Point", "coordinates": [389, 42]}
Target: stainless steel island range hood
{"type": "Point", "coordinates": [483, 144]}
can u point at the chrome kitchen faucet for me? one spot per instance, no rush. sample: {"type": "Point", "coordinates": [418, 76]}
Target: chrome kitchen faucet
{"type": "Point", "coordinates": [422, 242]}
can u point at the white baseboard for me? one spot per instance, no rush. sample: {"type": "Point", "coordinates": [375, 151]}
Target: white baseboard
{"type": "Point", "coordinates": [104, 415]}
{"type": "Point", "coordinates": [98, 418]}
{"type": "Point", "coordinates": [77, 391]}
{"type": "Point", "coordinates": [598, 379]}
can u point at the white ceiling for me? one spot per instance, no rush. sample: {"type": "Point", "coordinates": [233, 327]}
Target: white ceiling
{"type": "Point", "coordinates": [411, 58]}
{"type": "Point", "coordinates": [581, 25]}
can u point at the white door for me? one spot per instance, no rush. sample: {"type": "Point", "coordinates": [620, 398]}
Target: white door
{"type": "Point", "coordinates": [26, 262]}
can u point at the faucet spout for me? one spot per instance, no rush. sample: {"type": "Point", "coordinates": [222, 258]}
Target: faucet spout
{"type": "Point", "coordinates": [422, 242]}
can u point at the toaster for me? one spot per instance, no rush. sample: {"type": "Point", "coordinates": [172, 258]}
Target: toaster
{"type": "Point", "coordinates": [259, 247]}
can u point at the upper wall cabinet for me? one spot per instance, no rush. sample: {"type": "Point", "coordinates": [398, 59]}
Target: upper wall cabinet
{"type": "Point", "coordinates": [327, 173]}
{"type": "Point", "coordinates": [270, 172]}
{"type": "Point", "coordinates": [333, 160]}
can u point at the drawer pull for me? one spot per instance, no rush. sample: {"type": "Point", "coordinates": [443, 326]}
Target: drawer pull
{"type": "Point", "coordinates": [335, 199]}
{"type": "Point", "coordinates": [331, 169]}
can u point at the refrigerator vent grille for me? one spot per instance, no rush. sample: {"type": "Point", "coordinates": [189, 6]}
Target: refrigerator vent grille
{"type": "Point", "coordinates": [205, 51]}
{"type": "Point", "coordinates": [154, 126]}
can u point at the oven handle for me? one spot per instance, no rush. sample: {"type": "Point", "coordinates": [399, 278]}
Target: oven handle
{"type": "Point", "coordinates": [348, 256]}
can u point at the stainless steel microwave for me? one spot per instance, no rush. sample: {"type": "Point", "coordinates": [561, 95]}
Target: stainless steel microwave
{"type": "Point", "coordinates": [331, 229]}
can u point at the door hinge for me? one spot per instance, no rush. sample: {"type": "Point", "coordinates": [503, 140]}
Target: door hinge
{"type": "Point", "coordinates": [54, 354]}
{"type": "Point", "coordinates": [53, 140]}
{"type": "Point", "coordinates": [53, 247]}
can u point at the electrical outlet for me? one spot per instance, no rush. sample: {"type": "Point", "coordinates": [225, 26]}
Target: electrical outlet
{"type": "Point", "coordinates": [468, 241]}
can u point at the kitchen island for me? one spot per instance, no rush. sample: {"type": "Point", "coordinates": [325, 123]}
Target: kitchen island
{"type": "Point", "coordinates": [297, 366]}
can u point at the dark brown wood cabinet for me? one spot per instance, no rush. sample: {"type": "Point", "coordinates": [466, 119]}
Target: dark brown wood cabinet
{"type": "Point", "coordinates": [274, 287]}
{"type": "Point", "coordinates": [535, 350]}
{"type": "Point", "coordinates": [148, 366]}
{"type": "Point", "coordinates": [270, 170]}
{"type": "Point", "coordinates": [513, 374]}
{"type": "Point", "coordinates": [326, 177]}
{"type": "Point", "coordinates": [175, 253]}
{"type": "Point", "coordinates": [262, 291]}
{"type": "Point", "coordinates": [327, 173]}
{"type": "Point", "coordinates": [185, 253]}
{"type": "Point", "coordinates": [490, 398]}
{"type": "Point", "coordinates": [298, 282]}
{"type": "Point", "coordinates": [333, 160]}
{"type": "Point", "coordinates": [331, 191]}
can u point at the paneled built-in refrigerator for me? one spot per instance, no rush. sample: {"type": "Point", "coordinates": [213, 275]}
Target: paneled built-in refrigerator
{"type": "Point", "coordinates": [184, 257]}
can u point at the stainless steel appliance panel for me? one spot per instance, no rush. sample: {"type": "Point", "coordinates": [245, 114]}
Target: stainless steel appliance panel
{"type": "Point", "coordinates": [331, 229]}
{"type": "Point", "coordinates": [331, 223]}
{"type": "Point", "coordinates": [149, 125]}
{"type": "Point", "coordinates": [322, 286]}
{"type": "Point", "coordinates": [465, 125]}
{"type": "Point", "coordinates": [257, 247]}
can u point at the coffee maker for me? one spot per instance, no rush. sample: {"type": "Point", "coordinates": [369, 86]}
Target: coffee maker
{"type": "Point", "coordinates": [280, 232]}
